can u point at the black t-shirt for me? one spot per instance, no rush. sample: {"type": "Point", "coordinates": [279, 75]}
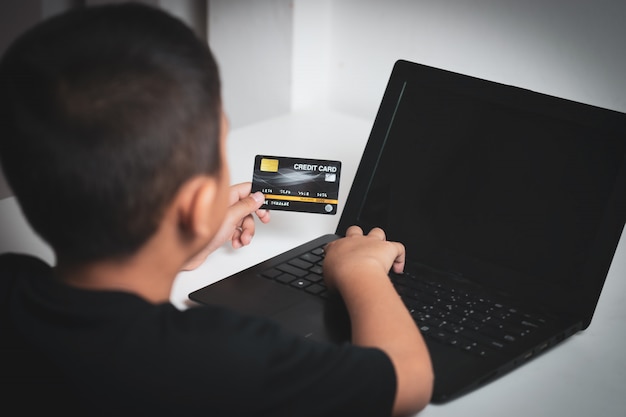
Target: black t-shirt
{"type": "Point", "coordinates": [125, 356]}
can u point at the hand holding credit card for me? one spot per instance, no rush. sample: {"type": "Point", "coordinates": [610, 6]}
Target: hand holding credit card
{"type": "Point", "coordinates": [297, 184]}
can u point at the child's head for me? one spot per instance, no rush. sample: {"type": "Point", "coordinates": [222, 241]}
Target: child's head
{"type": "Point", "coordinates": [104, 113]}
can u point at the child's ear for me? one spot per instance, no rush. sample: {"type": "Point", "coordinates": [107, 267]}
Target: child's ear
{"type": "Point", "coordinates": [196, 207]}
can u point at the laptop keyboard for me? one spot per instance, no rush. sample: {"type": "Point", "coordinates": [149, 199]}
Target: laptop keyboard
{"type": "Point", "coordinates": [457, 317]}
{"type": "Point", "coordinates": [303, 272]}
{"type": "Point", "coordinates": [452, 316]}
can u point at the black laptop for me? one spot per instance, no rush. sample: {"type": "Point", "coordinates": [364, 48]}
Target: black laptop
{"type": "Point", "coordinates": [510, 204]}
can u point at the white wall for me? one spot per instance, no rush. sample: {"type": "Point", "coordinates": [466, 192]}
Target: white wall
{"type": "Point", "coordinates": [312, 46]}
{"type": "Point", "coordinates": [343, 50]}
{"type": "Point", "coordinates": [252, 42]}
{"type": "Point", "coordinates": [573, 49]}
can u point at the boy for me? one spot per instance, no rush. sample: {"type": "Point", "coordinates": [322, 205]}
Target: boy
{"type": "Point", "coordinates": [113, 140]}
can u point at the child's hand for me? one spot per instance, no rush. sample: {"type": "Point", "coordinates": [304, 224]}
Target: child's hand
{"type": "Point", "coordinates": [357, 256]}
{"type": "Point", "coordinates": [238, 226]}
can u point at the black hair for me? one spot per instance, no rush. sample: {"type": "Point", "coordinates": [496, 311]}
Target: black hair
{"type": "Point", "coordinates": [104, 113]}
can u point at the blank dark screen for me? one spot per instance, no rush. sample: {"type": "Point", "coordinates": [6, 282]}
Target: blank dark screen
{"type": "Point", "coordinates": [473, 184]}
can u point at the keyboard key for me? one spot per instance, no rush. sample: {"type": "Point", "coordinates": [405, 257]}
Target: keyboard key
{"type": "Point", "coordinates": [309, 257]}
{"type": "Point", "coordinates": [285, 278]}
{"type": "Point", "coordinates": [440, 336]}
{"type": "Point", "coordinates": [497, 334]}
{"type": "Point", "coordinates": [315, 289]}
{"type": "Point", "coordinates": [318, 251]}
{"type": "Point", "coordinates": [479, 350]}
{"type": "Point", "coordinates": [314, 278]}
{"type": "Point", "coordinates": [300, 263]}
{"type": "Point", "coordinates": [474, 348]}
{"type": "Point", "coordinates": [531, 321]}
{"type": "Point", "coordinates": [316, 269]}
{"type": "Point", "coordinates": [271, 273]}
{"type": "Point", "coordinates": [290, 269]}
{"type": "Point", "coordinates": [484, 340]}
{"type": "Point", "coordinates": [513, 329]}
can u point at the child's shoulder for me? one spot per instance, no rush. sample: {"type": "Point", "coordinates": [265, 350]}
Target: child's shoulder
{"type": "Point", "coordinates": [13, 266]}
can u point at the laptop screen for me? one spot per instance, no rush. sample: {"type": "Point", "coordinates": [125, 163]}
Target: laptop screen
{"type": "Point", "coordinates": [503, 186]}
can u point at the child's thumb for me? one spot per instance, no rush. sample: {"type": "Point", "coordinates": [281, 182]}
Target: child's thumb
{"type": "Point", "coordinates": [248, 205]}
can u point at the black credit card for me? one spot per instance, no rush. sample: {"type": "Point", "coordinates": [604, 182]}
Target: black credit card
{"type": "Point", "coordinates": [297, 184]}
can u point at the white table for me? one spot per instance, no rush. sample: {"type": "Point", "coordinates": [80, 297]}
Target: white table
{"type": "Point", "coordinates": [584, 376]}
